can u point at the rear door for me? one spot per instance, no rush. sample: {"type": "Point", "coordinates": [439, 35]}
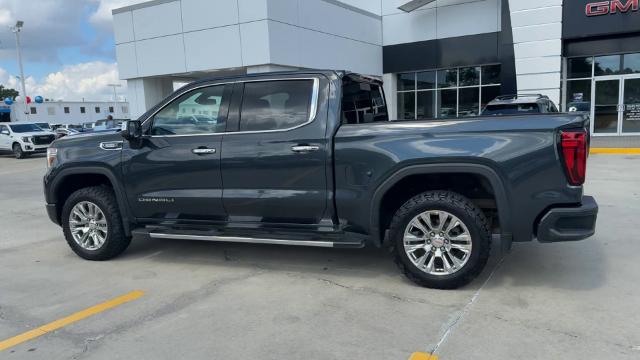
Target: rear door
{"type": "Point", "coordinates": [274, 155]}
{"type": "Point", "coordinates": [173, 174]}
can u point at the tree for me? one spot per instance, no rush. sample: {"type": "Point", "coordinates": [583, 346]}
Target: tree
{"type": "Point", "coordinates": [7, 92]}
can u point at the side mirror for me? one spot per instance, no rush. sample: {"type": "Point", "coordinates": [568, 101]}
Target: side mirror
{"type": "Point", "coordinates": [131, 130]}
{"type": "Point", "coordinates": [5, 132]}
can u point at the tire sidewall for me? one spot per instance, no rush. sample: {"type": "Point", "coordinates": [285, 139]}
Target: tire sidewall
{"type": "Point", "coordinates": [17, 151]}
{"type": "Point", "coordinates": [478, 240]}
{"type": "Point", "coordinates": [66, 213]}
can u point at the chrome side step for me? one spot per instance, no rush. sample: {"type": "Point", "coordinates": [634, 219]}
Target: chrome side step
{"type": "Point", "coordinates": [237, 239]}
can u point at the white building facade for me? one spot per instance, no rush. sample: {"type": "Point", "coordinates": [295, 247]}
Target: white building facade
{"type": "Point", "coordinates": [69, 112]}
{"type": "Point", "coordinates": [445, 59]}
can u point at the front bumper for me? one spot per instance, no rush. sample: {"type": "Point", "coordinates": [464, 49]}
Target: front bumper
{"type": "Point", "coordinates": [569, 223]}
{"type": "Point", "coordinates": [52, 211]}
{"type": "Point", "coordinates": [35, 148]}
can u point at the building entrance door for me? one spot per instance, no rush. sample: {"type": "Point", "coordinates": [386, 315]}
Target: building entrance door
{"type": "Point", "coordinates": [616, 105]}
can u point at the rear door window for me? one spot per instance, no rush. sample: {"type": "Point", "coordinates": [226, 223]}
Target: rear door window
{"type": "Point", "coordinates": [275, 105]}
{"type": "Point", "coordinates": [362, 103]}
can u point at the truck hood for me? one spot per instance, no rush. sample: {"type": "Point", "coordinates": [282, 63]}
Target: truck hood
{"type": "Point", "coordinates": [34, 133]}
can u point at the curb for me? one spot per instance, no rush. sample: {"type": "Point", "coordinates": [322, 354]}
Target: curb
{"type": "Point", "coordinates": [620, 151]}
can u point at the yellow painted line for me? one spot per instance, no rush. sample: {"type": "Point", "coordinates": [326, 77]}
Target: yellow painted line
{"type": "Point", "coordinates": [52, 326]}
{"type": "Point", "coordinates": [622, 151]}
{"type": "Point", "coordinates": [422, 356]}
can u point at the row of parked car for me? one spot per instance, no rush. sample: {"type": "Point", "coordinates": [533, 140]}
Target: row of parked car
{"type": "Point", "coordinates": [23, 139]}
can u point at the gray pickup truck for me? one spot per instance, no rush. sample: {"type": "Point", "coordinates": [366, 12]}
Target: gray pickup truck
{"type": "Point", "coordinates": [311, 158]}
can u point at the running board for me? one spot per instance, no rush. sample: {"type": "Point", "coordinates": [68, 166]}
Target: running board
{"type": "Point", "coordinates": [237, 239]}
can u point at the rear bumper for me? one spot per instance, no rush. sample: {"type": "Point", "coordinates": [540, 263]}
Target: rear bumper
{"type": "Point", "coordinates": [569, 223]}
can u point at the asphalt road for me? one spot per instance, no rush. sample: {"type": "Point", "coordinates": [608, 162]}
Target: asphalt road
{"type": "Point", "coordinates": [239, 301]}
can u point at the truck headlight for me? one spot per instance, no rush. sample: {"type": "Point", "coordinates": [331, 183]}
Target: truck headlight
{"type": "Point", "coordinates": [52, 155]}
{"type": "Point", "coordinates": [26, 139]}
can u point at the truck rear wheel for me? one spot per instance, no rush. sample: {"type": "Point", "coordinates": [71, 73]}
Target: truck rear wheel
{"type": "Point", "coordinates": [92, 224]}
{"type": "Point", "coordinates": [440, 239]}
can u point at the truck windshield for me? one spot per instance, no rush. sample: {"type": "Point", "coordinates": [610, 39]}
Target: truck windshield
{"type": "Point", "coordinates": [511, 109]}
{"type": "Point", "coordinates": [24, 128]}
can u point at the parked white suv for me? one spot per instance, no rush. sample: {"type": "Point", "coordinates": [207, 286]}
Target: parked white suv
{"type": "Point", "coordinates": [24, 139]}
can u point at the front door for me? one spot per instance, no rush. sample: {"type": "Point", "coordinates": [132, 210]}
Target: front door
{"type": "Point", "coordinates": [616, 106]}
{"type": "Point", "coordinates": [173, 174]}
{"type": "Point", "coordinates": [606, 107]}
{"type": "Point", "coordinates": [274, 159]}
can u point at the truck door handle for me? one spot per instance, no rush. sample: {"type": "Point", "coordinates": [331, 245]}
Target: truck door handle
{"type": "Point", "coordinates": [203, 151]}
{"type": "Point", "coordinates": [304, 148]}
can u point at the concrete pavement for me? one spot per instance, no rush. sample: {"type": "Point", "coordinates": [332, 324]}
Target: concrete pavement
{"type": "Point", "coordinates": [237, 301]}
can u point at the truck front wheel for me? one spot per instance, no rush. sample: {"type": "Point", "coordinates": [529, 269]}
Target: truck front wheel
{"type": "Point", "coordinates": [17, 151]}
{"type": "Point", "coordinates": [440, 239]}
{"type": "Point", "coordinates": [92, 224]}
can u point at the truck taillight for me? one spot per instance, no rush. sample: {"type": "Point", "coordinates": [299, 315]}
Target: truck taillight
{"type": "Point", "coordinates": [574, 154]}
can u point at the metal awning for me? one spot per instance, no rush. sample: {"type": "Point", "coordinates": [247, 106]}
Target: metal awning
{"type": "Point", "coordinates": [414, 5]}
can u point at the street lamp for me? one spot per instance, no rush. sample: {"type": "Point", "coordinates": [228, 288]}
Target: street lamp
{"type": "Point", "coordinates": [16, 30]}
{"type": "Point", "coordinates": [115, 97]}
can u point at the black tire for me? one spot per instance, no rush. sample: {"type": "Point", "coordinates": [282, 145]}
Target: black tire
{"type": "Point", "coordinates": [459, 206]}
{"type": "Point", "coordinates": [17, 151]}
{"type": "Point", "coordinates": [116, 241]}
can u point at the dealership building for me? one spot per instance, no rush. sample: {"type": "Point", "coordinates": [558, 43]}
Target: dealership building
{"type": "Point", "coordinates": [438, 59]}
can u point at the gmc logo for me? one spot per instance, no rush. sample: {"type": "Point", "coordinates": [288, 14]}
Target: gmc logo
{"type": "Point", "coordinates": [611, 7]}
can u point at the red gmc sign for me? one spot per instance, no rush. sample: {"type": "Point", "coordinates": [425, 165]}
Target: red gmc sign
{"type": "Point", "coordinates": [611, 7]}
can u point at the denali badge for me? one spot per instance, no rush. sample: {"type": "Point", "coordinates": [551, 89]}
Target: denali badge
{"type": "Point", "coordinates": [156, 200]}
{"type": "Point", "coordinates": [611, 7]}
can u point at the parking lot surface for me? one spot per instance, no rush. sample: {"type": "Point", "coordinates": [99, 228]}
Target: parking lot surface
{"type": "Point", "coordinates": [239, 301]}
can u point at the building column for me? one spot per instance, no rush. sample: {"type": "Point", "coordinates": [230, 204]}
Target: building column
{"type": "Point", "coordinates": [144, 93]}
{"type": "Point", "coordinates": [390, 91]}
{"type": "Point", "coordinates": [537, 42]}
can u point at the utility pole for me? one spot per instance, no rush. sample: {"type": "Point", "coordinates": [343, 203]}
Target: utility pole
{"type": "Point", "coordinates": [115, 97]}
{"type": "Point", "coordinates": [16, 30]}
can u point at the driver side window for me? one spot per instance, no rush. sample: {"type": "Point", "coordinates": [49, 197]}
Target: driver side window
{"type": "Point", "coordinates": [195, 112]}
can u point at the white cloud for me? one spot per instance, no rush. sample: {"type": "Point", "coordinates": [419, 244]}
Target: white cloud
{"type": "Point", "coordinates": [102, 17]}
{"type": "Point", "coordinates": [73, 82]}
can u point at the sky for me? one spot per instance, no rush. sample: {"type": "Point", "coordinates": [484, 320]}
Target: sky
{"type": "Point", "coordinates": [68, 48]}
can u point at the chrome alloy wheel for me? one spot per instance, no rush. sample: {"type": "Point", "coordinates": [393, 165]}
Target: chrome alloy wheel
{"type": "Point", "coordinates": [437, 242]}
{"type": "Point", "coordinates": [88, 225]}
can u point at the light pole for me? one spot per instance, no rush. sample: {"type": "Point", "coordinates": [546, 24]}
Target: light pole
{"type": "Point", "coordinates": [115, 97]}
{"type": "Point", "coordinates": [16, 30]}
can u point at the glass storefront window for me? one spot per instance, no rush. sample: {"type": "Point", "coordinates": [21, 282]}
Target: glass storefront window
{"type": "Point", "coordinates": [447, 93]}
{"type": "Point", "coordinates": [469, 102]}
{"type": "Point", "coordinates": [488, 93]}
{"type": "Point", "coordinates": [426, 80]}
{"type": "Point", "coordinates": [631, 64]}
{"type": "Point", "coordinates": [470, 76]}
{"type": "Point", "coordinates": [579, 68]}
{"type": "Point", "coordinates": [447, 103]}
{"type": "Point", "coordinates": [406, 81]}
{"type": "Point", "coordinates": [491, 74]}
{"type": "Point", "coordinates": [447, 78]}
{"type": "Point", "coordinates": [406, 105]}
{"type": "Point", "coordinates": [607, 65]}
{"type": "Point", "coordinates": [579, 95]}
{"type": "Point", "coordinates": [426, 105]}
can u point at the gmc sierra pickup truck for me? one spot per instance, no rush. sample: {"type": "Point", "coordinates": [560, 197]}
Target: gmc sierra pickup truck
{"type": "Point", "coordinates": [311, 158]}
